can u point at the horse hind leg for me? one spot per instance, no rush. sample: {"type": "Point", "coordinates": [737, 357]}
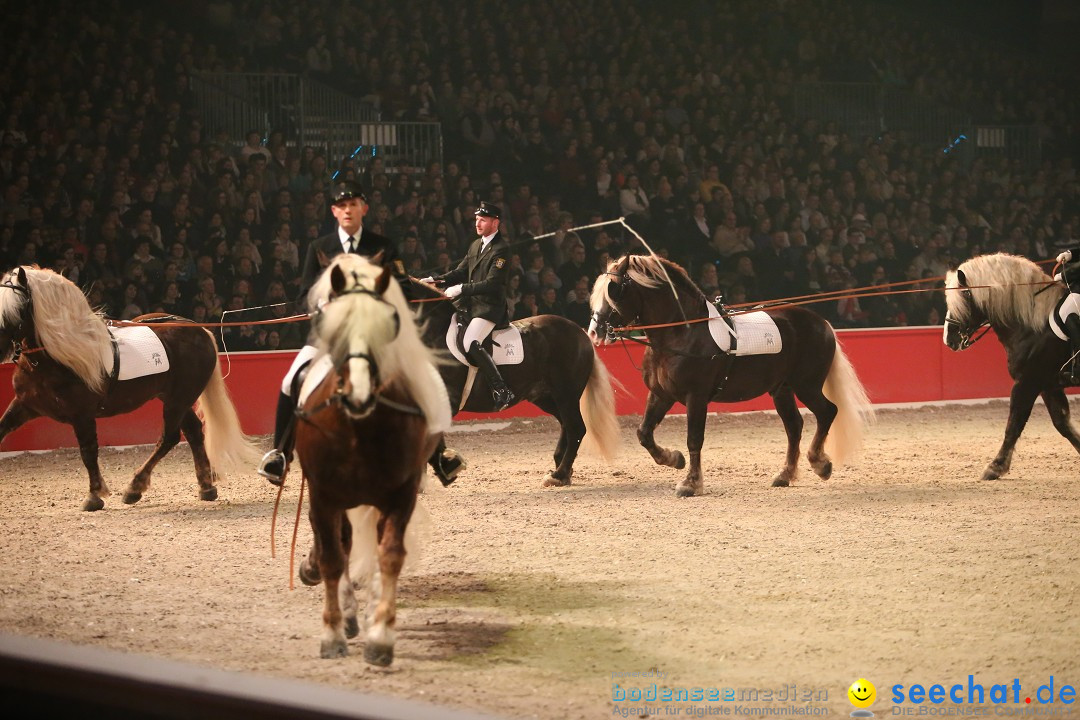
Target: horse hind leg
{"type": "Point", "coordinates": [784, 400]}
{"type": "Point", "coordinates": [571, 433]}
{"type": "Point", "coordinates": [193, 430]}
{"type": "Point", "coordinates": [170, 436]}
{"type": "Point", "coordinates": [825, 413]}
{"type": "Point", "coordinates": [1057, 404]}
{"type": "Point", "coordinates": [86, 433]}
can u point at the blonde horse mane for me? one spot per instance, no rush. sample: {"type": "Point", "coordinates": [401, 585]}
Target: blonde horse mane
{"type": "Point", "coordinates": [67, 327]}
{"type": "Point", "coordinates": [361, 315]}
{"type": "Point", "coordinates": [647, 271]}
{"type": "Point", "coordinates": [1007, 290]}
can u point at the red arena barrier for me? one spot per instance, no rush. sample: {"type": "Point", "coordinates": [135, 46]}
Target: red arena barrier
{"type": "Point", "coordinates": [897, 365]}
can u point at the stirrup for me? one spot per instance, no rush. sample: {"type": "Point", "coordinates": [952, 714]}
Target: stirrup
{"type": "Point", "coordinates": [273, 467]}
{"type": "Point", "coordinates": [503, 398]}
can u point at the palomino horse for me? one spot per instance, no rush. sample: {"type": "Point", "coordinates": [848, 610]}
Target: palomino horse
{"type": "Point", "coordinates": [1013, 296]}
{"type": "Point", "coordinates": [371, 413]}
{"type": "Point", "coordinates": [560, 374]}
{"type": "Point", "coordinates": [65, 371]}
{"type": "Point", "coordinates": [684, 364]}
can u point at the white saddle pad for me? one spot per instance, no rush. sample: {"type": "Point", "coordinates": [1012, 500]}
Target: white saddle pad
{"type": "Point", "coordinates": [755, 333]}
{"type": "Point", "coordinates": [506, 349]}
{"type": "Point", "coordinates": [141, 352]}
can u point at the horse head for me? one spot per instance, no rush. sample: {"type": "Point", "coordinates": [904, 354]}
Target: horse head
{"type": "Point", "coordinates": [16, 312]}
{"type": "Point", "coordinates": [353, 323]}
{"type": "Point", "coordinates": [609, 296]}
{"type": "Point", "coordinates": [964, 317]}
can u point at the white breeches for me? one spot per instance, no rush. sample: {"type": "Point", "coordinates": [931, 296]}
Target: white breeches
{"type": "Point", "coordinates": [307, 353]}
{"type": "Point", "coordinates": [1071, 306]}
{"type": "Point", "coordinates": [477, 331]}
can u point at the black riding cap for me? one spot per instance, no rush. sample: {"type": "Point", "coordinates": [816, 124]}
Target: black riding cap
{"type": "Point", "coordinates": [347, 190]}
{"type": "Point", "coordinates": [487, 209]}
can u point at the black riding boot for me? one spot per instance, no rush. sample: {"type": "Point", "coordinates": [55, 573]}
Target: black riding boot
{"type": "Point", "coordinates": [499, 390]}
{"type": "Point", "coordinates": [275, 463]}
{"type": "Point", "coordinates": [1071, 374]}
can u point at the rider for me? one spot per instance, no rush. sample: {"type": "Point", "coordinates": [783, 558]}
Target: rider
{"type": "Point", "coordinates": [349, 208]}
{"type": "Point", "coordinates": [478, 289]}
{"type": "Point", "coordinates": [1065, 318]}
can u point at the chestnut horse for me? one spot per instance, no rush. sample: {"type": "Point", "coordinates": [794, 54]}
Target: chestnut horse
{"type": "Point", "coordinates": [371, 412]}
{"type": "Point", "coordinates": [64, 372]}
{"type": "Point", "coordinates": [684, 364]}
{"type": "Point", "coordinates": [561, 374]}
{"type": "Point", "coordinates": [1013, 296]}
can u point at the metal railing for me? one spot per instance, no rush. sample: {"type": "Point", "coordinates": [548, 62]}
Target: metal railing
{"type": "Point", "coordinates": [868, 109]}
{"type": "Point", "coordinates": [298, 106]}
{"type": "Point", "coordinates": [404, 146]}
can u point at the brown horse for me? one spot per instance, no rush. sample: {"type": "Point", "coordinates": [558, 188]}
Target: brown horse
{"type": "Point", "coordinates": [64, 372]}
{"type": "Point", "coordinates": [561, 374]}
{"type": "Point", "coordinates": [684, 364]}
{"type": "Point", "coordinates": [374, 415]}
{"type": "Point", "coordinates": [1015, 297]}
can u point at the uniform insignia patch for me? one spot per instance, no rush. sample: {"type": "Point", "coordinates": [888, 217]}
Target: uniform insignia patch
{"type": "Point", "coordinates": [399, 266]}
{"type": "Point", "coordinates": [500, 262]}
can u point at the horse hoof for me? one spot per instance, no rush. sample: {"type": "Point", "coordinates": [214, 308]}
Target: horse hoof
{"type": "Point", "coordinates": [552, 481]}
{"type": "Point", "coordinates": [680, 461]}
{"type": "Point", "coordinates": [780, 482]}
{"type": "Point", "coordinates": [308, 575]}
{"type": "Point", "coordinates": [684, 490]}
{"type": "Point", "coordinates": [991, 474]}
{"type": "Point", "coordinates": [352, 627]}
{"type": "Point", "coordinates": [332, 649]}
{"type": "Point", "coordinates": [130, 498]}
{"type": "Point", "coordinates": [381, 655]}
{"type": "Point", "coordinates": [825, 471]}
{"type": "Point", "coordinates": [93, 504]}
{"type": "Point", "coordinates": [208, 494]}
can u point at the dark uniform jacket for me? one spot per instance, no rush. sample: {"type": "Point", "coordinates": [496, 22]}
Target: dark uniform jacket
{"type": "Point", "coordinates": [330, 245]}
{"type": "Point", "coordinates": [483, 277]}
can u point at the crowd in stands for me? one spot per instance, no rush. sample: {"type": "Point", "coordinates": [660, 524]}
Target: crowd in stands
{"type": "Point", "coordinates": [565, 113]}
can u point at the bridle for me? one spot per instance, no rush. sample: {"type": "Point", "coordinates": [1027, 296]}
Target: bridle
{"type": "Point", "coordinates": [341, 398]}
{"type": "Point", "coordinates": [601, 318]}
{"type": "Point", "coordinates": [968, 335]}
{"type": "Point", "coordinates": [19, 339]}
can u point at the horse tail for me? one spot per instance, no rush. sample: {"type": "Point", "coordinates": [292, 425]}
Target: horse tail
{"type": "Point", "coordinates": [228, 448]}
{"type": "Point", "coordinates": [854, 411]}
{"type": "Point", "coordinates": [598, 411]}
{"type": "Point", "coordinates": [364, 556]}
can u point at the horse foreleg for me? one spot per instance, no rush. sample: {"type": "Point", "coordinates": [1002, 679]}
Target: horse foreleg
{"type": "Point", "coordinates": [86, 433]}
{"type": "Point", "coordinates": [170, 436]}
{"type": "Point", "coordinates": [380, 638]}
{"type": "Point", "coordinates": [331, 559]}
{"type": "Point", "coordinates": [784, 401]}
{"type": "Point", "coordinates": [1057, 404]}
{"type": "Point", "coordinates": [15, 417]}
{"type": "Point", "coordinates": [697, 407]}
{"type": "Point", "coordinates": [1021, 400]}
{"type": "Point", "coordinates": [193, 431]}
{"type": "Point", "coordinates": [656, 407]}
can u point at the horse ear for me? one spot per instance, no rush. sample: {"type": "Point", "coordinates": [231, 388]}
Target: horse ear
{"type": "Point", "coordinates": [383, 281]}
{"type": "Point", "coordinates": [961, 278]}
{"type": "Point", "coordinates": [337, 280]}
{"type": "Point", "coordinates": [20, 275]}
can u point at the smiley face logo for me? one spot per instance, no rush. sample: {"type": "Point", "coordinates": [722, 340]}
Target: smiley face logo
{"type": "Point", "coordinates": [862, 693]}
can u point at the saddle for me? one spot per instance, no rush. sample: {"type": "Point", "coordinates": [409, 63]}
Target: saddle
{"type": "Point", "coordinates": [753, 333]}
{"type": "Point", "coordinates": [504, 344]}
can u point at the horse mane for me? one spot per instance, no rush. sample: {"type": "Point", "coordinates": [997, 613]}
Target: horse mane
{"type": "Point", "coordinates": [360, 315]}
{"type": "Point", "coordinates": [67, 327]}
{"type": "Point", "coordinates": [648, 271]}
{"type": "Point", "coordinates": [1017, 292]}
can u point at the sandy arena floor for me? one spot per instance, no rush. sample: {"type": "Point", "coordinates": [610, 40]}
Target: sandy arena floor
{"type": "Point", "coordinates": [528, 602]}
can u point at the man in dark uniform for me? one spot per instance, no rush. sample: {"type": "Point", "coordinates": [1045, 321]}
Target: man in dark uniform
{"type": "Point", "coordinates": [349, 208]}
{"type": "Point", "coordinates": [1065, 318]}
{"type": "Point", "coordinates": [478, 288]}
